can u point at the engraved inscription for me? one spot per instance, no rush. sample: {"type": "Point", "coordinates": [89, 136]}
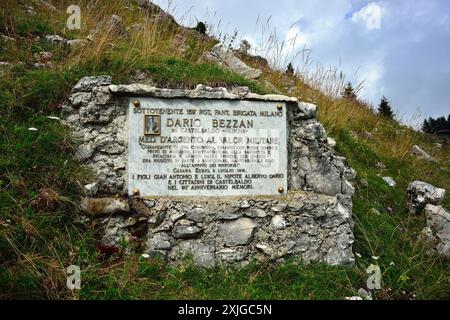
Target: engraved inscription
{"type": "Point", "coordinates": [181, 147]}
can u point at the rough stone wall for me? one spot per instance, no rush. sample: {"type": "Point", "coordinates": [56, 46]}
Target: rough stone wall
{"type": "Point", "coordinates": [313, 222]}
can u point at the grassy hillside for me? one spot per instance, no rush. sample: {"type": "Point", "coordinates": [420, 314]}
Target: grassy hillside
{"type": "Point", "coordinates": [40, 180]}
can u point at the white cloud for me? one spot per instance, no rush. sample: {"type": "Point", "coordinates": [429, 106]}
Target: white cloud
{"type": "Point", "coordinates": [371, 15]}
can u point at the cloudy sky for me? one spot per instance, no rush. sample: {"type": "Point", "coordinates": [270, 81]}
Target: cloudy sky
{"type": "Point", "coordinates": [400, 48]}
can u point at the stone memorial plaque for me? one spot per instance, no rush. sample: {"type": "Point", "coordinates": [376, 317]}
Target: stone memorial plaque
{"type": "Point", "coordinates": [207, 148]}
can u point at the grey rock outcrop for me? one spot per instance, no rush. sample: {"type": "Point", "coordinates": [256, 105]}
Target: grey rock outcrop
{"type": "Point", "coordinates": [224, 56]}
{"type": "Point", "coordinates": [437, 231]}
{"type": "Point", "coordinates": [421, 193]}
{"type": "Point", "coordinates": [420, 153]}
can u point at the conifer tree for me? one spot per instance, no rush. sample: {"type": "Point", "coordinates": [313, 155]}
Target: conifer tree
{"type": "Point", "coordinates": [349, 92]}
{"type": "Point", "coordinates": [290, 69]}
{"type": "Point", "coordinates": [384, 109]}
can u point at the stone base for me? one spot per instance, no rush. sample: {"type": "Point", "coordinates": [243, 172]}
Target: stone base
{"type": "Point", "coordinates": [312, 227]}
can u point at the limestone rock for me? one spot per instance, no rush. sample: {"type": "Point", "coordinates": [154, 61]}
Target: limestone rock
{"type": "Point", "coordinates": [197, 214]}
{"type": "Point", "coordinates": [278, 222]}
{"type": "Point", "coordinates": [331, 142]}
{"type": "Point", "coordinates": [390, 182]}
{"type": "Point", "coordinates": [91, 189]}
{"type": "Point", "coordinates": [374, 211]}
{"type": "Point", "coordinates": [226, 57]}
{"type": "Point", "coordinates": [159, 241]}
{"type": "Point", "coordinates": [255, 213]}
{"type": "Point", "coordinates": [86, 84]}
{"type": "Point", "coordinates": [231, 255]}
{"type": "Point", "coordinates": [420, 153]}
{"type": "Point", "coordinates": [202, 252]}
{"type": "Point", "coordinates": [104, 206]}
{"type": "Point", "coordinates": [421, 193]}
{"type": "Point", "coordinates": [437, 231]}
{"type": "Point", "coordinates": [115, 231]}
{"type": "Point", "coordinates": [184, 229]}
{"type": "Point", "coordinates": [239, 232]}
{"type": "Point", "coordinates": [305, 111]}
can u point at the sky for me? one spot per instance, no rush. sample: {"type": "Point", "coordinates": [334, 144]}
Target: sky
{"type": "Point", "coordinates": [399, 48]}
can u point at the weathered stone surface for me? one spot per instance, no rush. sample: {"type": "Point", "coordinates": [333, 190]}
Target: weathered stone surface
{"type": "Point", "coordinates": [239, 232]}
{"type": "Point", "coordinates": [421, 193]}
{"type": "Point", "coordinates": [203, 253]}
{"type": "Point", "coordinates": [232, 255]}
{"type": "Point", "coordinates": [420, 153]}
{"type": "Point", "coordinates": [115, 231]}
{"type": "Point", "coordinates": [255, 213]}
{"type": "Point", "coordinates": [159, 241]}
{"type": "Point", "coordinates": [197, 214]}
{"type": "Point", "coordinates": [200, 92]}
{"type": "Point", "coordinates": [224, 56]}
{"type": "Point", "coordinates": [86, 84]}
{"type": "Point", "coordinates": [104, 206]}
{"type": "Point", "coordinates": [305, 111]}
{"type": "Point", "coordinates": [437, 231]}
{"type": "Point", "coordinates": [184, 229]}
{"type": "Point", "coordinates": [91, 189]}
{"type": "Point", "coordinates": [389, 181]}
{"type": "Point", "coordinates": [278, 222]}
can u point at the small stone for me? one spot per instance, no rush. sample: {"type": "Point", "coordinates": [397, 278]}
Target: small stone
{"type": "Point", "coordinates": [84, 152]}
{"type": "Point", "coordinates": [202, 252]}
{"type": "Point", "coordinates": [421, 193]}
{"type": "Point", "coordinates": [228, 255]}
{"type": "Point", "coordinates": [245, 204]}
{"type": "Point", "coordinates": [364, 183]}
{"type": "Point", "coordinates": [380, 165]}
{"type": "Point", "coordinates": [278, 222]}
{"type": "Point", "coordinates": [374, 211]}
{"type": "Point", "coordinates": [184, 229]}
{"type": "Point", "coordinates": [391, 182]}
{"type": "Point", "coordinates": [279, 208]}
{"type": "Point", "coordinates": [255, 213]}
{"type": "Point", "coordinates": [160, 241]}
{"type": "Point", "coordinates": [421, 154]}
{"type": "Point", "coordinates": [145, 256]}
{"type": "Point", "coordinates": [363, 293]}
{"type": "Point", "coordinates": [265, 249]}
{"type": "Point", "coordinates": [91, 189]}
{"type": "Point", "coordinates": [76, 42]}
{"type": "Point", "coordinates": [305, 111]}
{"type": "Point", "coordinates": [331, 142]}
{"type": "Point", "coordinates": [57, 39]}
{"type": "Point", "coordinates": [196, 214]}
{"type": "Point", "coordinates": [239, 232]}
{"type": "Point", "coordinates": [229, 214]}
{"type": "Point", "coordinates": [86, 84]}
